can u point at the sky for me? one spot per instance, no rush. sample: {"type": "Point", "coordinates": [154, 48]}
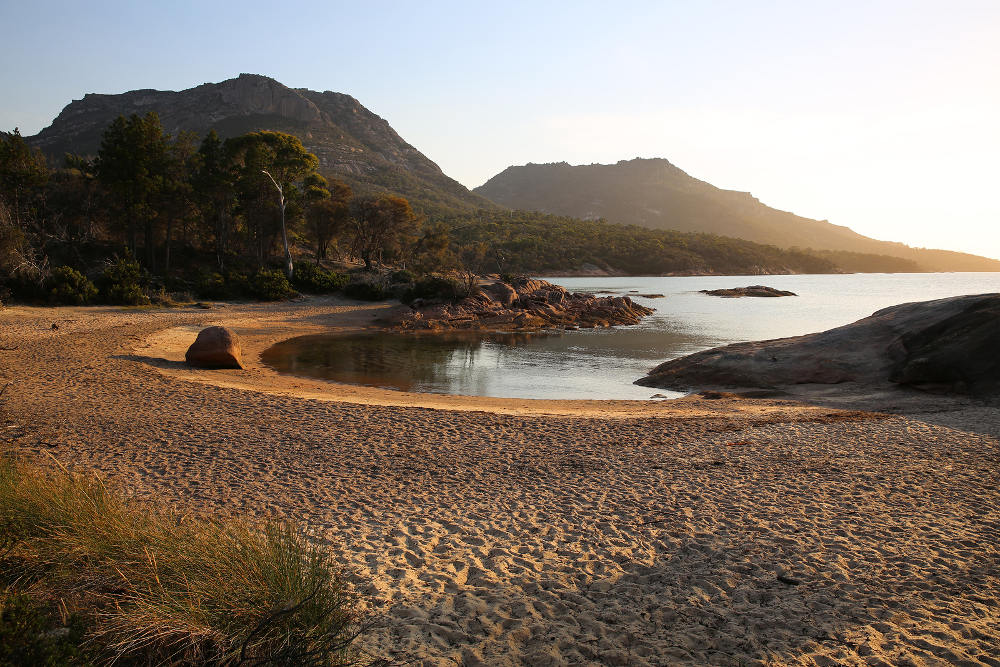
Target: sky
{"type": "Point", "coordinates": [883, 116]}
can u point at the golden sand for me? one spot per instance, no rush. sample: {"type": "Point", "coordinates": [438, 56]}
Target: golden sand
{"type": "Point", "coordinates": [509, 532]}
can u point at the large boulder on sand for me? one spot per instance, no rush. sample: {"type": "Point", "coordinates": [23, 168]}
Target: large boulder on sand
{"type": "Point", "coordinates": [947, 344]}
{"type": "Point", "coordinates": [215, 347]}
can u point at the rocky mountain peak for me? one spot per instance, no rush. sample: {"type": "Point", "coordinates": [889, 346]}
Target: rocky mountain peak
{"type": "Point", "coordinates": [257, 94]}
{"type": "Point", "coordinates": [352, 143]}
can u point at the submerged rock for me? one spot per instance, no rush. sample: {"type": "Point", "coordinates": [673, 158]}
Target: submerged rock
{"type": "Point", "coordinates": [752, 290]}
{"type": "Point", "coordinates": [946, 344]}
{"type": "Point", "coordinates": [215, 347]}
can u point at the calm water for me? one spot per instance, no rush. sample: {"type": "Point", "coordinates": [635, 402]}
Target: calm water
{"type": "Point", "coordinates": [602, 364]}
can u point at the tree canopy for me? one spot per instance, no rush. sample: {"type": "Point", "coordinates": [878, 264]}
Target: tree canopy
{"type": "Point", "coordinates": [212, 216]}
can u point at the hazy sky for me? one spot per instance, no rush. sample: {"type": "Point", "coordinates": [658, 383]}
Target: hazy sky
{"type": "Point", "coordinates": [882, 116]}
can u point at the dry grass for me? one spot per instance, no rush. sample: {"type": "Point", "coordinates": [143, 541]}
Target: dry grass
{"type": "Point", "coordinates": [160, 588]}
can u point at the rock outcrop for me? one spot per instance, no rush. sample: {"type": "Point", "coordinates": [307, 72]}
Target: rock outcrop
{"type": "Point", "coordinates": [752, 290]}
{"type": "Point", "coordinates": [946, 345]}
{"type": "Point", "coordinates": [525, 305]}
{"type": "Point", "coordinates": [215, 347]}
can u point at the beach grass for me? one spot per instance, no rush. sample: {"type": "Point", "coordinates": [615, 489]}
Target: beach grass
{"type": "Point", "coordinates": [143, 585]}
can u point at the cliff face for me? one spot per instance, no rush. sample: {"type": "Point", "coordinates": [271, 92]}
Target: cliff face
{"type": "Point", "coordinates": [654, 193]}
{"type": "Point", "coordinates": [352, 143]}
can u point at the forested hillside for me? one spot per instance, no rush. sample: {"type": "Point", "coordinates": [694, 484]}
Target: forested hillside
{"type": "Point", "coordinates": [656, 194]}
{"type": "Point", "coordinates": [531, 242]}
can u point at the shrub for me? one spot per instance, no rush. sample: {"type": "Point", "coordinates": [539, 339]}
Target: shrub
{"type": "Point", "coordinates": [366, 290]}
{"type": "Point", "coordinates": [237, 284]}
{"type": "Point", "coordinates": [123, 282]}
{"type": "Point", "coordinates": [309, 277]}
{"type": "Point", "coordinates": [176, 284]}
{"type": "Point", "coordinates": [401, 276]}
{"type": "Point", "coordinates": [213, 286]}
{"type": "Point", "coordinates": [270, 286]}
{"type": "Point", "coordinates": [156, 587]}
{"type": "Point", "coordinates": [66, 285]}
{"type": "Point", "coordinates": [511, 278]}
{"type": "Point", "coordinates": [31, 634]}
{"type": "Point", "coordinates": [434, 288]}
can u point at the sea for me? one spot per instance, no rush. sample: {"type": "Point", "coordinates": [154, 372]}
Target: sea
{"type": "Point", "coordinates": [602, 364]}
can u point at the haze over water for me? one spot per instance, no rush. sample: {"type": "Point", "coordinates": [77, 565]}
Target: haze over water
{"type": "Point", "coordinates": [603, 363]}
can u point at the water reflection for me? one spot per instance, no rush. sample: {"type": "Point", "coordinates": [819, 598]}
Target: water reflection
{"type": "Point", "coordinates": [599, 364]}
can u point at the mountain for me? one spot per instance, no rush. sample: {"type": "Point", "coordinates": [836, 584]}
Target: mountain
{"type": "Point", "coordinates": [352, 143]}
{"type": "Point", "coordinates": [656, 194]}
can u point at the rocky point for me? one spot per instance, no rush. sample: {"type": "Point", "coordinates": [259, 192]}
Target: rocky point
{"type": "Point", "coordinates": [524, 305]}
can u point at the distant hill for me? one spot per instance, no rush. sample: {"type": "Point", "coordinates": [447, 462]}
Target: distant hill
{"type": "Point", "coordinates": [654, 193]}
{"type": "Point", "coordinates": [352, 143]}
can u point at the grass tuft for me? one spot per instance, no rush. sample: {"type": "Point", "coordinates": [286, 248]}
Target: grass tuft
{"type": "Point", "coordinates": [156, 587]}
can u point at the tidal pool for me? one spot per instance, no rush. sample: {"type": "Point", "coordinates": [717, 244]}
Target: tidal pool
{"type": "Point", "coordinates": [592, 364]}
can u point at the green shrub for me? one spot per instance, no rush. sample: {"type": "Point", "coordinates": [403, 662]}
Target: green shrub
{"type": "Point", "coordinates": [270, 286]}
{"type": "Point", "coordinates": [434, 288]}
{"type": "Point", "coordinates": [66, 285]}
{"type": "Point", "coordinates": [31, 634]}
{"type": "Point", "coordinates": [213, 286]}
{"type": "Point", "coordinates": [401, 276]}
{"type": "Point", "coordinates": [309, 277]}
{"type": "Point", "coordinates": [365, 290]}
{"type": "Point", "coordinates": [511, 278]}
{"type": "Point", "coordinates": [238, 285]}
{"type": "Point", "coordinates": [123, 282]}
{"type": "Point", "coordinates": [156, 587]}
{"type": "Point", "coordinates": [177, 284]}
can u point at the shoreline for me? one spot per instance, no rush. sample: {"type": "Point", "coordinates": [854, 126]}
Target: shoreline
{"type": "Point", "coordinates": [165, 349]}
{"type": "Point", "coordinates": [509, 532]}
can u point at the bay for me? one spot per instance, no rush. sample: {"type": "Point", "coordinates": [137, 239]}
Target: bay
{"type": "Point", "coordinates": [603, 363]}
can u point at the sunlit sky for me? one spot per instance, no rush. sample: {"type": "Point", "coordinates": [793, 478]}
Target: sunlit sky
{"type": "Point", "coordinates": [882, 116]}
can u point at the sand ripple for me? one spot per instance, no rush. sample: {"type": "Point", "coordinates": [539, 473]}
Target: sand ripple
{"type": "Point", "coordinates": [711, 532]}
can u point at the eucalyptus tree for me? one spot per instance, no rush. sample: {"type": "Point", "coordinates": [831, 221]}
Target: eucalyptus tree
{"type": "Point", "coordinates": [269, 162]}
{"type": "Point", "coordinates": [327, 213]}
{"type": "Point", "coordinates": [383, 226]}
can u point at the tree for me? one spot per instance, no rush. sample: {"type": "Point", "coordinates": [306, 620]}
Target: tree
{"type": "Point", "coordinates": [382, 225]}
{"type": "Point", "coordinates": [472, 261]}
{"type": "Point", "coordinates": [177, 201]}
{"type": "Point", "coordinates": [432, 250]}
{"type": "Point", "coordinates": [23, 173]}
{"type": "Point", "coordinates": [281, 163]}
{"type": "Point", "coordinates": [132, 164]}
{"type": "Point", "coordinates": [327, 214]}
{"type": "Point", "coordinates": [11, 242]}
{"type": "Point", "coordinates": [213, 182]}
{"type": "Point", "coordinates": [73, 201]}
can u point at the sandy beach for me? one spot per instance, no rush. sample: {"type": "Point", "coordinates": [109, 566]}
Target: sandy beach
{"type": "Point", "coordinates": [484, 531]}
